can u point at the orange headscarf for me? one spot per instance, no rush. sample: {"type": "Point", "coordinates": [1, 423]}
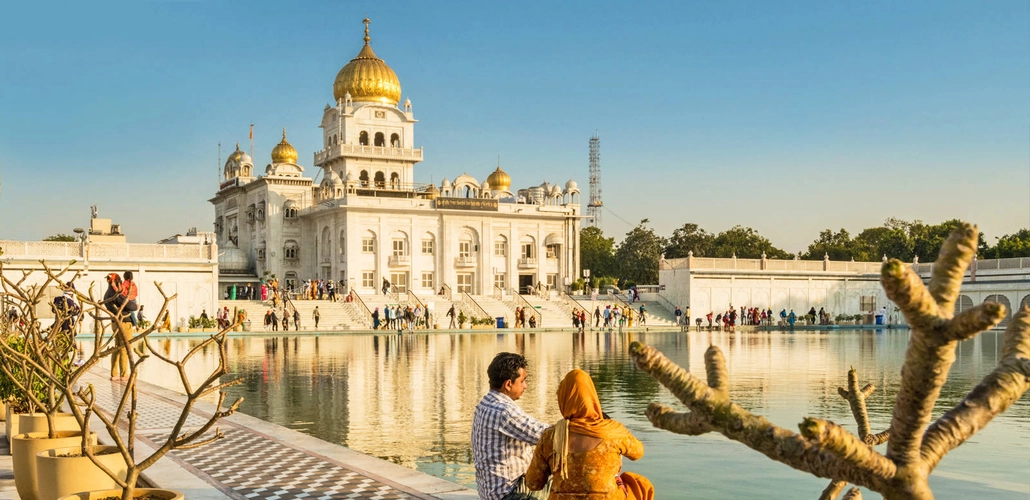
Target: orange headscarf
{"type": "Point", "coordinates": [581, 409]}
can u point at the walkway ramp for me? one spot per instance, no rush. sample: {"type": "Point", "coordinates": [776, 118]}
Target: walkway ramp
{"type": "Point", "coordinates": [257, 459]}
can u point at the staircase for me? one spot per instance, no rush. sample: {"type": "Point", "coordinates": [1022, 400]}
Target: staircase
{"type": "Point", "coordinates": [555, 314]}
{"type": "Point", "coordinates": [334, 316]}
{"type": "Point", "coordinates": [656, 314]}
{"type": "Point", "coordinates": [496, 308]}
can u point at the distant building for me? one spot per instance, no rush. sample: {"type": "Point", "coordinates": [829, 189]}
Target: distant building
{"type": "Point", "coordinates": [368, 220]}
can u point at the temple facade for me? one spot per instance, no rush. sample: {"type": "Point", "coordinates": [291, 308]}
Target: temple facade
{"type": "Point", "coordinates": [369, 219]}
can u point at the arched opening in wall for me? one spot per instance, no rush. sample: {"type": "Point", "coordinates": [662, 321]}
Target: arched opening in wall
{"type": "Point", "coordinates": [501, 246]}
{"type": "Point", "coordinates": [380, 180]}
{"type": "Point", "coordinates": [1003, 300]}
{"type": "Point", "coordinates": [245, 171]}
{"type": "Point", "coordinates": [326, 247]}
{"type": "Point", "coordinates": [380, 139]}
{"type": "Point", "coordinates": [963, 303]}
{"type": "Point", "coordinates": [363, 178]}
{"type": "Point", "coordinates": [395, 181]}
{"type": "Point", "coordinates": [1025, 302]}
{"type": "Point", "coordinates": [395, 140]}
{"type": "Point", "coordinates": [291, 250]}
{"type": "Point", "coordinates": [290, 280]}
{"type": "Point", "coordinates": [342, 249]}
{"type": "Point", "coordinates": [363, 138]}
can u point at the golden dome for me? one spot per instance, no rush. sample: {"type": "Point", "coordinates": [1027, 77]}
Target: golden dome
{"type": "Point", "coordinates": [284, 152]}
{"type": "Point", "coordinates": [367, 78]}
{"type": "Point", "coordinates": [431, 192]}
{"type": "Point", "coordinates": [499, 181]}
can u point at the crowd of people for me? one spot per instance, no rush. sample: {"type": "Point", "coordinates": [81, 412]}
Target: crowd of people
{"type": "Point", "coordinates": [518, 457]}
{"type": "Point", "coordinates": [401, 318]}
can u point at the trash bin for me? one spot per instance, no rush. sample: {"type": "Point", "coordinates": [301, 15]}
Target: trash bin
{"type": "Point", "coordinates": [500, 322]}
{"type": "Point", "coordinates": [879, 319]}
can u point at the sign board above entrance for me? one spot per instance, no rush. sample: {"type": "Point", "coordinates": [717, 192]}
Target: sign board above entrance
{"type": "Point", "coordinates": [467, 203]}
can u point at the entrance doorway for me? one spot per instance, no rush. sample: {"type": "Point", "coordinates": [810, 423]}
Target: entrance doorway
{"type": "Point", "coordinates": [525, 282]}
{"type": "Point", "coordinates": [399, 282]}
{"type": "Point", "coordinates": [465, 282]}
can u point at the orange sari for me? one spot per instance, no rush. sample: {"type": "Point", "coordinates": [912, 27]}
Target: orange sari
{"type": "Point", "coordinates": [593, 474]}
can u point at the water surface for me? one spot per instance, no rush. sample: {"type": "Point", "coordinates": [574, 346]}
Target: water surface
{"type": "Point", "coordinates": [409, 399]}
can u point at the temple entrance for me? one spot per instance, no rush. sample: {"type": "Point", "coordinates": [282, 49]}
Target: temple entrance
{"type": "Point", "coordinates": [465, 282]}
{"type": "Point", "coordinates": [525, 282]}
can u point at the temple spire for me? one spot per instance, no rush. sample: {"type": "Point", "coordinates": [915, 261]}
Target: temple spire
{"type": "Point", "coordinates": [367, 38]}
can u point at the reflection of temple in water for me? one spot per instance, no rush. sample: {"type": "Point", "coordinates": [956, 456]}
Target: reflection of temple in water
{"type": "Point", "coordinates": [410, 398]}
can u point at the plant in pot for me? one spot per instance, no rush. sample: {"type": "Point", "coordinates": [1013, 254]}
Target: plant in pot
{"type": "Point", "coordinates": [126, 414]}
{"type": "Point", "coordinates": [462, 319]}
{"type": "Point", "coordinates": [36, 364]}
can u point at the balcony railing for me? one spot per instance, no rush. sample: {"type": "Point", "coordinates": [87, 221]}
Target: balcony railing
{"type": "Point", "coordinates": [366, 152]}
{"type": "Point", "coordinates": [527, 263]}
{"type": "Point", "coordinates": [465, 261]}
{"type": "Point", "coordinates": [399, 260]}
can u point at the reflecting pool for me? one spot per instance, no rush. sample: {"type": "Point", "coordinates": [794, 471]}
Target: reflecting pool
{"type": "Point", "coordinates": [409, 399]}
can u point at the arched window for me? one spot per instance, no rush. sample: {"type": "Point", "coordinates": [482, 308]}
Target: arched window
{"type": "Point", "coordinates": [326, 246]}
{"type": "Point", "coordinates": [963, 303]}
{"type": "Point", "coordinates": [501, 247]}
{"type": "Point", "coordinates": [380, 139]}
{"type": "Point", "coordinates": [291, 251]}
{"type": "Point", "coordinates": [395, 140]}
{"type": "Point", "coordinates": [363, 138]}
{"type": "Point", "coordinates": [1003, 300]}
{"type": "Point", "coordinates": [342, 249]}
{"type": "Point", "coordinates": [395, 181]}
{"type": "Point", "coordinates": [363, 178]}
{"type": "Point", "coordinates": [380, 180]}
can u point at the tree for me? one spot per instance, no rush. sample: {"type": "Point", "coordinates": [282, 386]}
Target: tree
{"type": "Point", "coordinates": [927, 239]}
{"type": "Point", "coordinates": [1010, 245]}
{"type": "Point", "coordinates": [637, 256]}
{"type": "Point", "coordinates": [596, 252]}
{"type": "Point", "coordinates": [914, 448]}
{"type": "Point", "coordinates": [60, 237]}
{"type": "Point", "coordinates": [838, 246]}
{"type": "Point", "coordinates": [873, 243]}
{"type": "Point", "coordinates": [745, 243]}
{"type": "Point", "coordinates": [689, 238]}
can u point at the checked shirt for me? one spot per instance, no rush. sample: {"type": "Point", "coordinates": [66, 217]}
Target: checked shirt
{"type": "Point", "coordinates": [503, 438]}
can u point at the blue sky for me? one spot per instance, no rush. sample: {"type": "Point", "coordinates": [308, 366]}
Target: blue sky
{"type": "Point", "coordinates": [788, 117]}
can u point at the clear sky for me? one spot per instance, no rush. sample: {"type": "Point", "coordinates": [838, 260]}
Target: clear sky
{"type": "Point", "coordinates": [788, 117]}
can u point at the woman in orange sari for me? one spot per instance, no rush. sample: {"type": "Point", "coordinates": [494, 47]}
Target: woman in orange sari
{"type": "Point", "coordinates": [584, 450]}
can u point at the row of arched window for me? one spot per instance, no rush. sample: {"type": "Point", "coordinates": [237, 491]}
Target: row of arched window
{"type": "Point", "coordinates": [964, 302]}
{"type": "Point", "coordinates": [379, 139]}
{"type": "Point", "coordinates": [379, 180]}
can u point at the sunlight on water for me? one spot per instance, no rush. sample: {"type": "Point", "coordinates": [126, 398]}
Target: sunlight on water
{"type": "Point", "coordinates": [410, 399]}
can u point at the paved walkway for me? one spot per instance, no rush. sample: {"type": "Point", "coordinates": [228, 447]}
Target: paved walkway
{"type": "Point", "coordinates": [256, 459]}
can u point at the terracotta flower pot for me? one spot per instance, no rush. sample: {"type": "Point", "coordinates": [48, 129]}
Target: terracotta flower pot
{"type": "Point", "coordinates": [64, 471]}
{"type": "Point", "coordinates": [153, 492]}
{"type": "Point", "coordinates": [24, 448]}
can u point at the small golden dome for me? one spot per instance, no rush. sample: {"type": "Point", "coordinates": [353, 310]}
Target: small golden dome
{"type": "Point", "coordinates": [367, 78]}
{"type": "Point", "coordinates": [284, 152]}
{"type": "Point", "coordinates": [499, 181]}
{"type": "Point", "coordinates": [431, 192]}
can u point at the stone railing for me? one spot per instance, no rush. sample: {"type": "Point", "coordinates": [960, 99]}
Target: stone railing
{"type": "Point", "coordinates": [713, 263]}
{"type": "Point", "coordinates": [366, 151]}
{"type": "Point", "coordinates": [49, 250]}
{"type": "Point", "coordinates": [981, 265]}
{"type": "Point", "coordinates": [472, 307]}
{"type": "Point", "coordinates": [519, 301]}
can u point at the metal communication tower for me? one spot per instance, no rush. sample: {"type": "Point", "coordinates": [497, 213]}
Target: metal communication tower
{"type": "Point", "coordinates": [596, 205]}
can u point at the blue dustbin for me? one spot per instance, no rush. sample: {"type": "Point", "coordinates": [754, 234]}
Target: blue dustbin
{"type": "Point", "coordinates": [879, 319]}
{"type": "Point", "coordinates": [500, 322]}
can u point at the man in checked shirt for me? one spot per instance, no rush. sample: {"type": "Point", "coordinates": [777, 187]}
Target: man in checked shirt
{"type": "Point", "coordinates": [503, 436]}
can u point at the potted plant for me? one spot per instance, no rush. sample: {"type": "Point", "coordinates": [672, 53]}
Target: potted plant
{"type": "Point", "coordinates": [36, 363]}
{"type": "Point", "coordinates": [44, 371]}
{"type": "Point", "coordinates": [462, 319]}
{"type": "Point", "coordinates": [178, 438]}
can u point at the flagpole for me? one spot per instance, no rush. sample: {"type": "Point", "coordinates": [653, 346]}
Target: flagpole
{"type": "Point", "coordinates": [218, 166]}
{"type": "Point", "coordinates": [252, 140]}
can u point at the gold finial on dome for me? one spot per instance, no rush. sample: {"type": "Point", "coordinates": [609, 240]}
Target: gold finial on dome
{"type": "Point", "coordinates": [284, 152]}
{"type": "Point", "coordinates": [499, 180]}
{"type": "Point", "coordinates": [367, 78]}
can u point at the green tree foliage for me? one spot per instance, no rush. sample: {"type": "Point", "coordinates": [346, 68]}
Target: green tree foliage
{"type": "Point", "coordinates": [839, 246]}
{"type": "Point", "coordinates": [596, 252]}
{"type": "Point", "coordinates": [745, 243]}
{"type": "Point", "coordinates": [59, 237]}
{"type": "Point", "coordinates": [637, 256]}
{"type": "Point", "coordinates": [1011, 245]}
{"type": "Point", "coordinates": [689, 238]}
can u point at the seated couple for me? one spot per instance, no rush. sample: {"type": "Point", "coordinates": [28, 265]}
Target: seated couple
{"type": "Point", "coordinates": [517, 457]}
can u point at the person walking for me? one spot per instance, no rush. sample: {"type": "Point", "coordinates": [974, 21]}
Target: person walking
{"type": "Point", "coordinates": [316, 315]}
{"type": "Point", "coordinates": [450, 314]}
{"type": "Point", "coordinates": [296, 319]}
